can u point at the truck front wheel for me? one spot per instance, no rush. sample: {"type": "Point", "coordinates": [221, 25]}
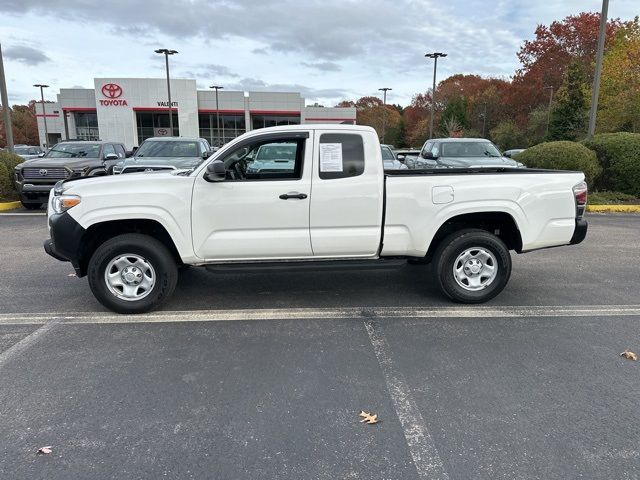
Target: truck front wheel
{"type": "Point", "coordinates": [472, 266]}
{"type": "Point", "coordinates": [132, 273]}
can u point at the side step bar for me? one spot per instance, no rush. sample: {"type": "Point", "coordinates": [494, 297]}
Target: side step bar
{"type": "Point", "coordinates": [308, 265]}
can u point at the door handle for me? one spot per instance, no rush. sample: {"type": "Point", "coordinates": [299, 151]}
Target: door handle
{"type": "Point", "coordinates": [287, 196]}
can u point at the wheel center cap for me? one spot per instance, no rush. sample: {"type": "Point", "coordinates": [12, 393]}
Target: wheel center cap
{"type": "Point", "coordinates": [132, 275]}
{"type": "Point", "coordinates": [473, 266]}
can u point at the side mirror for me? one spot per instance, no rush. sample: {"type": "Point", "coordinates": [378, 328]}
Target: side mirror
{"type": "Point", "coordinates": [429, 155]}
{"type": "Point", "coordinates": [41, 155]}
{"type": "Point", "coordinates": [216, 171]}
{"type": "Point", "coordinates": [111, 156]}
{"type": "Point", "coordinates": [401, 158]}
{"type": "Point", "coordinates": [207, 154]}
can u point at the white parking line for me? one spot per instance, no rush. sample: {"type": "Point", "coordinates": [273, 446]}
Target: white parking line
{"type": "Point", "coordinates": [324, 313]}
{"type": "Point", "coordinates": [421, 446]}
{"type": "Point", "coordinates": [26, 342]}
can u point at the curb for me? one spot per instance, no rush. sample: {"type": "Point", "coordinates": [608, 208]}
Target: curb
{"type": "Point", "coordinates": [9, 205]}
{"type": "Point", "coordinates": [614, 208]}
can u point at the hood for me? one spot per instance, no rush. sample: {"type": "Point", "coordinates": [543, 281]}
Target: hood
{"type": "Point", "coordinates": [177, 162]}
{"type": "Point", "coordinates": [70, 163]}
{"type": "Point", "coordinates": [468, 162]}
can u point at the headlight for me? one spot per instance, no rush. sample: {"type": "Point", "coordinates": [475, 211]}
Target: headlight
{"type": "Point", "coordinates": [62, 203]}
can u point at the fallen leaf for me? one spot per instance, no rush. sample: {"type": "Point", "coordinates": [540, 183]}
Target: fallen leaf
{"type": "Point", "coordinates": [368, 418]}
{"type": "Point", "coordinates": [44, 450]}
{"type": "Point", "coordinates": [629, 355]}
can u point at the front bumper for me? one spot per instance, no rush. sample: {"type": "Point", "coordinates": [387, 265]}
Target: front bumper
{"type": "Point", "coordinates": [580, 232]}
{"type": "Point", "coordinates": [66, 240]}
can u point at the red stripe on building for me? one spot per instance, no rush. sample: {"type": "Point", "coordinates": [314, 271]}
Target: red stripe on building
{"type": "Point", "coordinates": [274, 112]}
{"type": "Point", "coordinates": [213, 110]}
{"type": "Point", "coordinates": [331, 119]}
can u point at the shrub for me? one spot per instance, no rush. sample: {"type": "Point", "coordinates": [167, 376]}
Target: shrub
{"type": "Point", "coordinates": [619, 156]}
{"type": "Point", "coordinates": [8, 161]}
{"type": "Point", "coordinates": [562, 155]}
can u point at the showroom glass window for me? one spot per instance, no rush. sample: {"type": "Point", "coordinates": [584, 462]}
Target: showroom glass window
{"type": "Point", "coordinates": [263, 121]}
{"type": "Point", "coordinates": [231, 126]}
{"type": "Point", "coordinates": [86, 125]}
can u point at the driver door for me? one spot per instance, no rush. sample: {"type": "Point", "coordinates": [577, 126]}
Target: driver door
{"type": "Point", "coordinates": [256, 213]}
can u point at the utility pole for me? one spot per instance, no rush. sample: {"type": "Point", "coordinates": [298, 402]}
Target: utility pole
{"type": "Point", "coordinates": [166, 52]}
{"type": "Point", "coordinates": [384, 91]}
{"type": "Point", "coordinates": [6, 113]}
{"type": "Point", "coordinates": [546, 132]}
{"type": "Point", "coordinates": [217, 87]}
{"type": "Point", "coordinates": [435, 57]}
{"type": "Point", "coordinates": [595, 91]}
{"type": "Point", "coordinates": [44, 114]}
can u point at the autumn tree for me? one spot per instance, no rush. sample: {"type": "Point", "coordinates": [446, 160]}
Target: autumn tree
{"type": "Point", "coordinates": [619, 100]}
{"type": "Point", "coordinates": [24, 124]}
{"type": "Point", "coordinates": [569, 113]}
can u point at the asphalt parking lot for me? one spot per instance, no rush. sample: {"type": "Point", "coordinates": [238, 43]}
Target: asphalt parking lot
{"type": "Point", "coordinates": [262, 375]}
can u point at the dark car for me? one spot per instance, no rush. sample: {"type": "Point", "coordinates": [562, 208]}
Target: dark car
{"type": "Point", "coordinates": [166, 153]}
{"type": "Point", "coordinates": [69, 159]}
{"type": "Point", "coordinates": [27, 152]}
{"type": "Point", "coordinates": [461, 153]}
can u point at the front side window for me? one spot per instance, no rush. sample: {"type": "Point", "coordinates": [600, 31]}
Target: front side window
{"type": "Point", "coordinates": [74, 150]}
{"type": "Point", "coordinates": [168, 148]}
{"type": "Point", "coordinates": [341, 155]}
{"type": "Point", "coordinates": [387, 155]}
{"type": "Point", "coordinates": [266, 160]}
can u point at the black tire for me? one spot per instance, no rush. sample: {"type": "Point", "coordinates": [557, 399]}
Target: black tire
{"type": "Point", "coordinates": [31, 206]}
{"type": "Point", "coordinates": [453, 246]}
{"type": "Point", "coordinates": [155, 254]}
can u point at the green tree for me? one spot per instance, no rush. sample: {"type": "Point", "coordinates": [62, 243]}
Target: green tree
{"type": "Point", "coordinates": [569, 113]}
{"type": "Point", "coordinates": [508, 135]}
{"type": "Point", "coordinates": [455, 113]}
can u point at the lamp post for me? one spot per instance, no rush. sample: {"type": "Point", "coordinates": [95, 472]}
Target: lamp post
{"type": "Point", "coordinates": [550, 87]}
{"type": "Point", "coordinates": [217, 87]}
{"type": "Point", "coordinates": [166, 52]}
{"type": "Point", "coordinates": [384, 91]}
{"type": "Point", "coordinates": [44, 114]}
{"type": "Point", "coordinates": [596, 77]}
{"type": "Point", "coordinates": [6, 113]}
{"type": "Point", "coordinates": [435, 56]}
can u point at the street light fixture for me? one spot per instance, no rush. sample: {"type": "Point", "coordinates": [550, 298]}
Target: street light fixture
{"type": "Point", "coordinates": [384, 91]}
{"type": "Point", "coordinates": [44, 114]}
{"type": "Point", "coordinates": [166, 52]}
{"type": "Point", "coordinates": [435, 56]}
{"type": "Point", "coordinates": [217, 87]}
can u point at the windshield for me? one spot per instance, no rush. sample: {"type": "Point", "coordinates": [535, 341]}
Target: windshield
{"type": "Point", "coordinates": [168, 148]}
{"type": "Point", "coordinates": [276, 152]}
{"type": "Point", "coordinates": [73, 150]}
{"type": "Point", "coordinates": [468, 149]}
{"type": "Point", "coordinates": [386, 154]}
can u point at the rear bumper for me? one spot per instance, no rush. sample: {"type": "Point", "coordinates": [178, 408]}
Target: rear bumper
{"type": "Point", "coordinates": [580, 231]}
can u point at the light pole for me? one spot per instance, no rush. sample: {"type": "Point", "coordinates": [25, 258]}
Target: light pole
{"type": "Point", "coordinates": [550, 87]}
{"type": "Point", "coordinates": [166, 52]}
{"type": "Point", "coordinates": [596, 77]}
{"type": "Point", "coordinates": [6, 113]}
{"type": "Point", "coordinates": [217, 87]}
{"type": "Point", "coordinates": [44, 114]}
{"type": "Point", "coordinates": [435, 56]}
{"type": "Point", "coordinates": [384, 91]}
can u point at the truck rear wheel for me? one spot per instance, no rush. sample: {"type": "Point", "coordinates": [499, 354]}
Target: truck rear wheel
{"type": "Point", "coordinates": [132, 273]}
{"type": "Point", "coordinates": [472, 266]}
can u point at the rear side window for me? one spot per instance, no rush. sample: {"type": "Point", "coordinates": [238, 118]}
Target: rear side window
{"type": "Point", "coordinates": [341, 155]}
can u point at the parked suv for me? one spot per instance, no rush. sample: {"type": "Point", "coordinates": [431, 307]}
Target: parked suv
{"type": "Point", "coordinates": [461, 153]}
{"type": "Point", "coordinates": [69, 159]}
{"type": "Point", "coordinates": [166, 153]}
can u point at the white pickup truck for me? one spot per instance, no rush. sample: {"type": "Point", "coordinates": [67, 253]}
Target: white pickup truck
{"type": "Point", "coordinates": [334, 205]}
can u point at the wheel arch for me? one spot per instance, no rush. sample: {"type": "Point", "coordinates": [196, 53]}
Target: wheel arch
{"type": "Point", "coordinates": [501, 224]}
{"type": "Point", "coordinates": [98, 233]}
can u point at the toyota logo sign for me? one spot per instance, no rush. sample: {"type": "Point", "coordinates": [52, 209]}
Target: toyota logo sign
{"type": "Point", "coordinates": [43, 172]}
{"type": "Point", "coordinates": [111, 90]}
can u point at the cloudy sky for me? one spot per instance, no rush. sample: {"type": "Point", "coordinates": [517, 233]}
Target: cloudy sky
{"type": "Point", "coordinates": [327, 50]}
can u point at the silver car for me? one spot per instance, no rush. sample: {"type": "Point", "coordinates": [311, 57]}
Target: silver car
{"type": "Point", "coordinates": [462, 153]}
{"type": "Point", "coordinates": [166, 153]}
{"type": "Point", "coordinates": [28, 152]}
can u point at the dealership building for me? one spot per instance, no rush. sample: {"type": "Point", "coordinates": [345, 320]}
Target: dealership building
{"type": "Point", "coordinates": [129, 110]}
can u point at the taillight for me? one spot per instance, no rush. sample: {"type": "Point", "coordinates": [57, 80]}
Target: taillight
{"type": "Point", "coordinates": [580, 192]}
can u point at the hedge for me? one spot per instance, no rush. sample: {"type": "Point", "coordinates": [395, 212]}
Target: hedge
{"type": "Point", "coordinates": [619, 156]}
{"type": "Point", "coordinates": [8, 161]}
{"type": "Point", "coordinates": [562, 155]}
